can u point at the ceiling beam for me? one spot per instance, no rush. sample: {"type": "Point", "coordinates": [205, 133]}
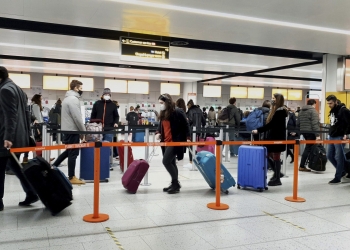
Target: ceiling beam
{"type": "Point", "coordinates": [79, 31]}
{"type": "Point", "coordinates": [251, 73]}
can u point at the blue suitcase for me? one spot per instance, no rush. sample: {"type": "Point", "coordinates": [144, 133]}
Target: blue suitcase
{"type": "Point", "coordinates": [87, 164]}
{"type": "Point", "coordinates": [206, 164]}
{"type": "Point", "coordinates": [252, 167]}
{"type": "Point", "coordinates": [139, 137]}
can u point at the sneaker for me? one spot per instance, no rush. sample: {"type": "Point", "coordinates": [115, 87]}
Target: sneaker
{"type": "Point", "coordinates": [29, 200]}
{"type": "Point", "coordinates": [75, 181]}
{"type": "Point", "coordinates": [111, 169]}
{"type": "Point", "coordinates": [334, 182]}
{"type": "Point", "coordinates": [275, 182]}
{"type": "Point", "coordinates": [25, 160]}
{"type": "Point", "coordinates": [304, 169]}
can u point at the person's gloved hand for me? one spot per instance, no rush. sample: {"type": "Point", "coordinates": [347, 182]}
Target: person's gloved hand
{"type": "Point", "coordinates": [158, 137]}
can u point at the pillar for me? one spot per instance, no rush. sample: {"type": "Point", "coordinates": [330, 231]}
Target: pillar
{"type": "Point", "coordinates": [190, 92]}
{"type": "Point", "coordinates": [332, 82]}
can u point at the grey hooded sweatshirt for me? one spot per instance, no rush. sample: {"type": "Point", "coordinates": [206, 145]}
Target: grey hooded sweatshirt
{"type": "Point", "coordinates": [71, 117]}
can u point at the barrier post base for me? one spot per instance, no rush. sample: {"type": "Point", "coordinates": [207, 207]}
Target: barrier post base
{"type": "Point", "coordinates": [291, 199]}
{"type": "Point", "coordinates": [92, 219]}
{"type": "Point", "coordinates": [215, 207]}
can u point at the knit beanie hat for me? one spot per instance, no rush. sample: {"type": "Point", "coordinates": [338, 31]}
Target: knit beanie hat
{"type": "Point", "coordinates": [3, 73]}
{"type": "Point", "coordinates": [106, 91]}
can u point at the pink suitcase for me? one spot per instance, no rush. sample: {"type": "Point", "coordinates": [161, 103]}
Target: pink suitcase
{"type": "Point", "coordinates": [134, 174]}
{"type": "Point", "coordinates": [210, 148]}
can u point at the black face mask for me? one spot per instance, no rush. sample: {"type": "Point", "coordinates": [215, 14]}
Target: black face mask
{"type": "Point", "coordinates": [80, 92]}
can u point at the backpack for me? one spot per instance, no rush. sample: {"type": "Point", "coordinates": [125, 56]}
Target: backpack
{"type": "Point", "coordinates": [317, 158]}
{"type": "Point", "coordinates": [255, 120]}
{"type": "Point", "coordinates": [133, 118]}
{"type": "Point", "coordinates": [225, 114]}
{"type": "Point", "coordinates": [94, 127]}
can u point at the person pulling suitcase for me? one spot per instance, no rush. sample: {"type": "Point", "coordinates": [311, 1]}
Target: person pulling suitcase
{"type": "Point", "coordinates": [173, 127]}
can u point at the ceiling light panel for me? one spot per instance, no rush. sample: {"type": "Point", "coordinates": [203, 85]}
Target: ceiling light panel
{"type": "Point", "coordinates": [233, 16]}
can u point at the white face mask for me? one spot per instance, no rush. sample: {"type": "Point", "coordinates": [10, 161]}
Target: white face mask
{"type": "Point", "coordinates": [106, 97]}
{"type": "Point", "coordinates": [162, 107]}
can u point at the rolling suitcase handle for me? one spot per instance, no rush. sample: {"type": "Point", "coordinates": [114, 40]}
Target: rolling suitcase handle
{"type": "Point", "coordinates": [16, 159]}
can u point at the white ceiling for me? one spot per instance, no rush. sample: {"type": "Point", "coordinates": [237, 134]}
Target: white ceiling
{"type": "Point", "coordinates": [135, 17]}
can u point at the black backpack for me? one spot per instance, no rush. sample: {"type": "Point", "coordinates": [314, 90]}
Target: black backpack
{"type": "Point", "coordinates": [133, 118]}
{"type": "Point", "coordinates": [225, 114]}
{"type": "Point", "coordinates": [317, 158]}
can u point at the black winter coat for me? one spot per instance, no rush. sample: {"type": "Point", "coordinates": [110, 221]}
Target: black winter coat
{"type": "Point", "coordinates": [195, 117]}
{"type": "Point", "coordinates": [276, 131]}
{"type": "Point", "coordinates": [14, 115]}
{"type": "Point", "coordinates": [180, 130]}
{"type": "Point", "coordinates": [111, 115]}
{"type": "Point", "coordinates": [339, 118]}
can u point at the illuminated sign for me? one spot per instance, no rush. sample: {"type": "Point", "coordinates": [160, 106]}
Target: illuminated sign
{"type": "Point", "coordinates": [142, 50]}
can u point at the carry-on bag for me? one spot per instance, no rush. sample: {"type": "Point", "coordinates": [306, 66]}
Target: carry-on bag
{"type": "Point", "coordinates": [95, 125]}
{"type": "Point", "coordinates": [87, 164]}
{"type": "Point", "coordinates": [252, 167]}
{"type": "Point", "coordinates": [129, 159]}
{"type": "Point", "coordinates": [317, 158]}
{"type": "Point", "coordinates": [206, 163]}
{"type": "Point", "coordinates": [51, 185]}
{"type": "Point", "coordinates": [133, 176]}
{"type": "Point", "coordinates": [208, 148]}
{"type": "Point", "coordinates": [139, 136]}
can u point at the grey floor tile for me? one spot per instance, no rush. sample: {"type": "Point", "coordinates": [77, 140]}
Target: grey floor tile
{"type": "Point", "coordinates": [100, 244]}
{"type": "Point", "coordinates": [134, 243]}
{"type": "Point", "coordinates": [278, 245]}
{"type": "Point", "coordinates": [176, 240]}
{"type": "Point", "coordinates": [227, 236]}
{"type": "Point", "coordinates": [325, 241]}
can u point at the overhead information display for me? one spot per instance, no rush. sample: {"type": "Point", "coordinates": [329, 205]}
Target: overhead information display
{"type": "Point", "coordinates": [142, 50]}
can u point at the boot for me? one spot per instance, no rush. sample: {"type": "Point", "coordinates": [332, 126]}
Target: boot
{"type": "Point", "coordinates": [174, 187]}
{"type": "Point", "coordinates": [276, 181]}
{"type": "Point", "coordinates": [29, 200]}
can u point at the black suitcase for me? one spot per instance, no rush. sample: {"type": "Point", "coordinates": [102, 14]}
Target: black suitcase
{"type": "Point", "coordinates": [317, 158]}
{"type": "Point", "coordinates": [51, 185]}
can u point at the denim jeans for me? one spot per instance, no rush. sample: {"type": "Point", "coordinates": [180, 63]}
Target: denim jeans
{"type": "Point", "coordinates": [233, 148]}
{"type": "Point", "coordinates": [72, 154]}
{"type": "Point", "coordinates": [335, 155]}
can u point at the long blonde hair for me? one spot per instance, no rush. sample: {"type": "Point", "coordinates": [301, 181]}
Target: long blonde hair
{"type": "Point", "coordinates": [279, 103]}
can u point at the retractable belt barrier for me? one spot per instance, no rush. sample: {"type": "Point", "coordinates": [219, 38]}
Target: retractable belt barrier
{"type": "Point", "coordinates": [217, 205]}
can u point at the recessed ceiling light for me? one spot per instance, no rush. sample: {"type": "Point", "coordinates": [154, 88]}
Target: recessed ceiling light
{"type": "Point", "coordinates": [309, 71]}
{"type": "Point", "coordinates": [102, 72]}
{"type": "Point", "coordinates": [232, 16]}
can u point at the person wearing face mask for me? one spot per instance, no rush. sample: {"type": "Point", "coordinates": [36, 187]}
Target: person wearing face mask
{"type": "Point", "coordinates": [275, 129]}
{"type": "Point", "coordinates": [106, 111]}
{"type": "Point", "coordinates": [72, 120]}
{"type": "Point", "coordinates": [173, 127]}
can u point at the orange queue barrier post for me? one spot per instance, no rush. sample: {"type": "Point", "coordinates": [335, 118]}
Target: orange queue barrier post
{"type": "Point", "coordinates": [218, 205]}
{"type": "Point", "coordinates": [96, 216]}
{"type": "Point", "coordinates": [295, 197]}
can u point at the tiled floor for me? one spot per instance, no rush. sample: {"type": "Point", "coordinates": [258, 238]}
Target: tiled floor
{"type": "Point", "coordinates": [152, 219]}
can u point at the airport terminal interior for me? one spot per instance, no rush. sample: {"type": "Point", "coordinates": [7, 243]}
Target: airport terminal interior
{"type": "Point", "coordinates": [200, 50]}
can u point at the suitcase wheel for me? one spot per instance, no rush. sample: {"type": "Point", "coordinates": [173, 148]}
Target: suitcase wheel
{"type": "Point", "coordinates": [226, 192]}
{"type": "Point", "coordinates": [266, 188]}
{"type": "Point", "coordinates": [238, 186]}
{"type": "Point", "coordinates": [260, 190]}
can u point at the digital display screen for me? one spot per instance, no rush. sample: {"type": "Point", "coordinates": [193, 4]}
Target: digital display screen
{"type": "Point", "coordinates": [142, 50]}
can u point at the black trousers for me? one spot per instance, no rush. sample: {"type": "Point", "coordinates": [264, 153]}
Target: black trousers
{"type": "Point", "coordinates": [72, 154]}
{"type": "Point", "coordinates": [307, 149]}
{"type": "Point", "coordinates": [11, 163]}
{"type": "Point", "coordinates": [169, 162]}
